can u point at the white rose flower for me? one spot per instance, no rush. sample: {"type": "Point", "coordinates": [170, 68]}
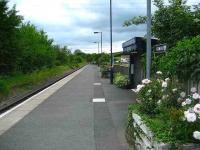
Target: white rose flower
{"type": "Point", "coordinates": [165, 96]}
{"type": "Point", "coordinates": [196, 96]}
{"type": "Point", "coordinates": [183, 104]}
{"type": "Point", "coordinates": [196, 135]}
{"type": "Point", "coordinates": [197, 109]}
{"type": "Point", "coordinates": [190, 116]}
{"type": "Point", "coordinates": [167, 79]}
{"type": "Point", "coordinates": [159, 102]}
{"type": "Point", "coordinates": [146, 81]}
{"type": "Point", "coordinates": [149, 91]}
{"type": "Point", "coordinates": [159, 73]}
{"type": "Point", "coordinates": [164, 84]}
{"type": "Point", "coordinates": [193, 89]}
{"type": "Point", "coordinates": [179, 100]}
{"type": "Point", "coordinates": [188, 101]}
{"type": "Point", "coordinates": [182, 94]}
{"type": "Point", "coordinates": [139, 87]}
{"type": "Point", "coordinates": [174, 90]}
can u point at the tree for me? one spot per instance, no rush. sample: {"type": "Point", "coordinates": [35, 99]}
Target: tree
{"type": "Point", "coordinates": [183, 60]}
{"type": "Point", "coordinates": [174, 22]}
{"type": "Point", "coordinates": [9, 24]}
{"type": "Point", "coordinates": [62, 55]}
{"type": "Point", "coordinates": [37, 49]}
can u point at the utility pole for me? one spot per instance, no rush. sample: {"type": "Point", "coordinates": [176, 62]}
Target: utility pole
{"type": "Point", "coordinates": [111, 54]}
{"type": "Point", "coordinates": [101, 43]}
{"type": "Point", "coordinates": [148, 63]}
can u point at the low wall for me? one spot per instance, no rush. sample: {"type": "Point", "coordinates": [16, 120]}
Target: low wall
{"type": "Point", "coordinates": [144, 138]}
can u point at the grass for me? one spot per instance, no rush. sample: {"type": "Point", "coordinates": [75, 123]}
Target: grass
{"type": "Point", "coordinates": [24, 82]}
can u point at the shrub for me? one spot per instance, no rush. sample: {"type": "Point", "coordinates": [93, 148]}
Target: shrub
{"type": "Point", "coordinates": [165, 106]}
{"type": "Point", "coordinates": [157, 94]}
{"type": "Point", "coordinates": [104, 69]}
{"type": "Point", "coordinates": [149, 97]}
{"type": "Point", "coordinates": [121, 80]}
{"type": "Point", "coordinates": [183, 60]}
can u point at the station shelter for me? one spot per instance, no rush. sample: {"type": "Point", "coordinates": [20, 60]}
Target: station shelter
{"type": "Point", "coordinates": [135, 48]}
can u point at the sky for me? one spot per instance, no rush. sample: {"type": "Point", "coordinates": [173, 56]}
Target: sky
{"type": "Point", "coordinates": [73, 22]}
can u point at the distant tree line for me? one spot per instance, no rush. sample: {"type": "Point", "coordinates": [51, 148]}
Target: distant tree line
{"type": "Point", "coordinates": [24, 48]}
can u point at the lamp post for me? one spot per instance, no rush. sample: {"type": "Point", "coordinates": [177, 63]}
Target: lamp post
{"type": "Point", "coordinates": [98, 52]}
{"type": "Point", "coordinates": [98, 46]}
{"type": "Point", "coordinates": [148, 68]}
{"type": "Point", "coordinates": [101, 39]}
{"type": "Point", "coordinates": [111, 54]}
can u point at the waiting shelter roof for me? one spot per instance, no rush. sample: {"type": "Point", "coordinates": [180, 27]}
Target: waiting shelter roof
{"type": "Point", "coordinates": [137, 45]}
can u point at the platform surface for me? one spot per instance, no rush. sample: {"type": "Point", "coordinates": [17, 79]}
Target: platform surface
{"type": "Point", "coordinates": [65, 117]}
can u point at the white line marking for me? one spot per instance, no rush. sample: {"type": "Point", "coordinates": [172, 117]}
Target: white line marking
{"type": "Point", "coordinates": [98, 100]}
{"type": "Point", "coordinates": [96, 83]}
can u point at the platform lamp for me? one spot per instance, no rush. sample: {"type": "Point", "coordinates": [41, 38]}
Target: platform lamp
{"type": "Point", "coordinates": [101, 39]}
{"type": "Point", "coordinates": [98, 46]}
{"type": "Point", "coordinates": [111, 53]}
{"type": "Point", "coordinates": [98, 51]}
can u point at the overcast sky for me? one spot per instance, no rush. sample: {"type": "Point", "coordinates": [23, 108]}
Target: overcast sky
{"type": "Point", "coordinates": [72, 22]}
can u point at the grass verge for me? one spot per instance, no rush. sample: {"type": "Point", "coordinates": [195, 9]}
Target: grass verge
{"type": "Point", "coordinates": [20, 83]}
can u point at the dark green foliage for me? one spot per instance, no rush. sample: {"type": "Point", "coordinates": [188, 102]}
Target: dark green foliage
{"type": "Point", "coordinates": [135, 20]}
{"type": "Point", "coordinates": [4, 89]}
{"type": "Point", "coordinates": [167, 128]}
{"type": "Point", "coordinates": [101, 59]}
{"type": "Point", "coordinates": [121, 80]}
{"type": "Point", "coordinates": [9, 51]}
{"type": "Point", "coordinates": [27, 55]}
{"type": "Point", "coordinates": [104, 59]}
{"type": "Point", "coordinates": [149, 96]}
{"type": "Point", "coordinates": [174, 22]}
{"type": "Point", "coordinates": [183, 60]}
{"type": "Point", "coordinates": [37, 50]}
{"type": "Point", "coordinates": [62, 55]}
{"type": "Point", "coordinates": [105, 71]}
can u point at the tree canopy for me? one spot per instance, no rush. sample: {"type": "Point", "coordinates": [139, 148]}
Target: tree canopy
{"type": "Point", "coordinates": [9, 24]}
{"type": "Point", "coordinates": [172, 23]}
{"type": "Point", "coordinates": [24, 48]}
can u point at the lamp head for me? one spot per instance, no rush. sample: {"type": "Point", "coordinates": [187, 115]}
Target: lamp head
{"type": "Point", "coordinates": [96, 32]}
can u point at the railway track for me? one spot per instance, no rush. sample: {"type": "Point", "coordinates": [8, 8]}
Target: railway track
{"type": "Point", "coordinates": [14, 101]}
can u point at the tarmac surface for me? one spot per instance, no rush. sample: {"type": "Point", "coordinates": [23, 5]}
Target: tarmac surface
{"type": "Point", "coordinates": [68, 119]}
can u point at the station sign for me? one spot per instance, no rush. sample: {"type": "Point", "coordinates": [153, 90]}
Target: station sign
{"type": "Point", "coordinates": [161, 48]}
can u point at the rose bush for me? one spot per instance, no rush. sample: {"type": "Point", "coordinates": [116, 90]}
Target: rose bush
{"type": "Point", "coordinates": [164, 100]}
{"type": "Point", "coordinates": [191, 107]}
{"type": "Point", "coordinates": [156, 94]}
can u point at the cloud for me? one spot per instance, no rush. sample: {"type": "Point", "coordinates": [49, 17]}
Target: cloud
{"type": "Point", "coordinates": [72, 22]}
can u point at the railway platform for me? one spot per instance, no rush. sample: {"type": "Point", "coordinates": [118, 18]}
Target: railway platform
{"type": "Point", "coordinates": [80, 112]}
